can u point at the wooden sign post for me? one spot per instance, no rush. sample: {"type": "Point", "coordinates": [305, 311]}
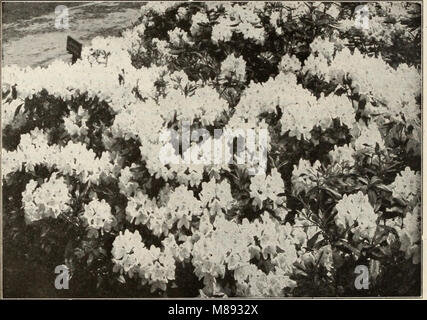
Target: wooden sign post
{"type": "Point", "coordinates": [75, 48]}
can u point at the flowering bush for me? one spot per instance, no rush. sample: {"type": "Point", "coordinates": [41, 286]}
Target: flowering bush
{"type": "Point", "coordinates": [84, 183]}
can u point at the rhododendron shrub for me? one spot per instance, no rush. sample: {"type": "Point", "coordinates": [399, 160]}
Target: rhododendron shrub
{"type": "Point", "coordinates": [84, 183]}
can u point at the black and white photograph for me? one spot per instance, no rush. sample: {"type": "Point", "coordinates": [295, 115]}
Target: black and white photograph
{"type": "Point", "coordinates": [211, 150]}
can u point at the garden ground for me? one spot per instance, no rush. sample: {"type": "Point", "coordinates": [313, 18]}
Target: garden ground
{"type": "Point", "coordinates": [31, 39]}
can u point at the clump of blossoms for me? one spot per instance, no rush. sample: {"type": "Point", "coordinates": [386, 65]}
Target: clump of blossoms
{"type": "Point", "coordinates": [369, 139]}
{"type": "Point", "coordinates": [72, 159]}
{"type": "Point", "coordinates": [406, 186]}
{"type": "Point", "coordinates": [183, 206]}
{"type": "Point", "coordinates": [267, 187]}
{"type": "Point", "coordinates": [204, 104]}
{"type": "Point", "coordinates": [199, 21]}
{"type": "Point", "coordinates": [289, 64]}
{"type": "Point", "coordinates": [343, 156]}
{"type": "Point", "coordinates": [322, 47]}
{"type": "Point", "coordinates": [127, 184]}
{"type": "Point", "coordinates": [178, 37]}
{"type": "Point", "coordinates": [75, 123]}
{"type": "Point", "coordinates": [408, 230]}
{"type": "Point", "coordinates": [233, 68]}
{"type": "Point", "coordinates": [225, 245]}
{"type": "Point", "coordinates": [97, 215]}
{"type": "Point", "coordinates": [153, 266]}
{"type": "Point", "coordinates": [48, 199]}
{"type": "Point", "coordinates": [222, 31]}
{"type": "Point", "coordinates": [410, 235]}
{"type": "Point", "coordinates": [140, 209]}
{"type": "Point", "coordinates": [393, 100]}
{"type": "Point", "coordinates": [216, 196]}
{"type": "Point", "coordinates": [355, 214]}
{"type": "Point", "coordinates": [180, 210]}
{"type": "Point", "coordinates": [306, 176]}
{"type": "Point", "coordinates": [252, 282]}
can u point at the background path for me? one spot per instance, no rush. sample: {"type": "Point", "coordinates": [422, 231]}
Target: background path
{"type": "Point", "coordinates": [31, 39]}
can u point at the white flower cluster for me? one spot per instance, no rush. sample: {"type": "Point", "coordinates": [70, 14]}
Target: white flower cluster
{"type": "Point", "coordinates": [317, 63]}
{"type": "Point", "coordinates": [369, 137]}
{"type": "Point", "coordinates": [75, 123]}
{"type": "Point", "coordinates": [410, 235]}
{"type": "Point", "coordinates": [267, 187]}
{"type": "Point", "coordinates": [48, 199]}
{"type": "Point", "coordinates": [198, 21]}
{"type": "Point", "coordinates": [72, 159]}
{"type": "Point", "coordinates": [178, 37]}
{"type": "Point", "coordinates": [140, 121]}
{"type": "Point", "coordinates": [183, 206]}
{"type": "Point", "coordinates": [183, 171]}
{"type": "Point", "coordinates": [140, 209]}
{"type": "Point", "coordinates": [356, 214]}
{"type": "Point", "coordinates": [259, 98]}
{"type": "Point", "coordinates": [226, 245]}
{"type": "Point", "coordinates": [216, 196]}
{"type": "Point", "coordinates": [179, 211]}
{"type": "Point", "coordinates": [233, 68]}
{"type": "Point", "coordinates": [157, 7]}
{"type": "Point", "coordinates": [204, 104]}
{"type": "Point", "coordinates": [407, 186]}
{"type": "Point", "coordinates": [98, 215]}
{"type": "Point", "coordinates": [384, 86]}
{"type": "Point", "coordinates": [241, 20]}
{"type": "Point", "coordinates": [289, 64]}
{"type": "Point", "coordinates": [222, 31]}
{"type": "Point", "coordinates": [32, 150]}
{"type": "Point", "coordinates": [306, 176]}
{"type": "Point", "coordinates": [301, 110]}
{"type": "Point", "coordinates": [322, 47]}
{"type": "Point", "coordinates": [210, 155]}
{"type": "Point", "coordinates": [153, 266]}
{"type": "Point", "coordinates": [385, 23]}
{"type": "Point", "coordinates": [387, 97]}
{"type": "Point", "coordinates": [127, 185]}
{"type": "Point", "coordinates": [409, 232]}
{"type": "Point", "coordinates": [344, 156]}
{"type": "Point", "coordinates": [316, 66]}
{"type": "Point", "coordinates": [253, 282]}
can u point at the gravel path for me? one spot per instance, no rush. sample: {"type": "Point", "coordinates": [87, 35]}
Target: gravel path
{"type": "Point", "coordinates": [36, 41]}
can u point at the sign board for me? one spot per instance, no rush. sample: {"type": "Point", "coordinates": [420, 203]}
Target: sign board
{"type": "Point", "coordinates": [75, 48]}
